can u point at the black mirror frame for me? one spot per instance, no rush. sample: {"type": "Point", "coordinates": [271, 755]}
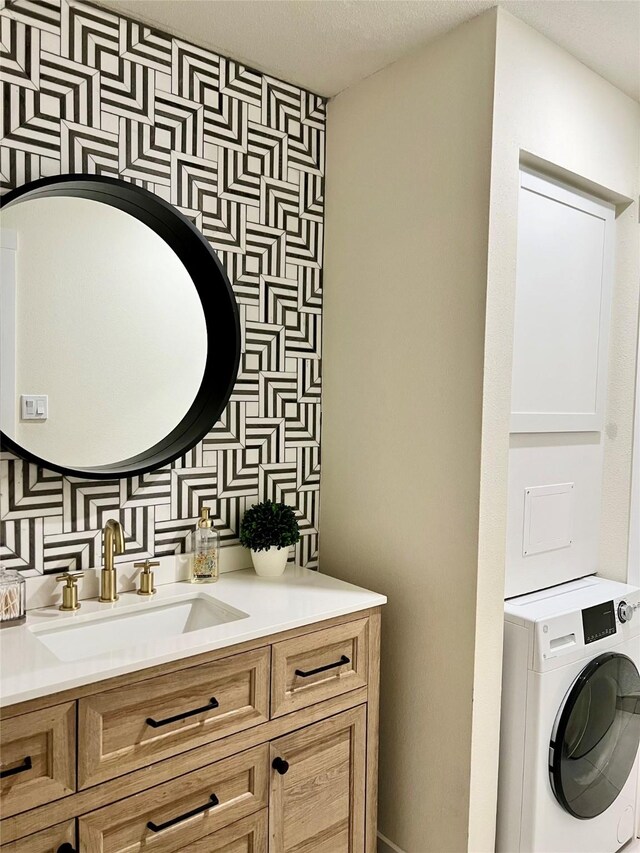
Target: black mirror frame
{"type": "Point", "coordinates": [218, 304]}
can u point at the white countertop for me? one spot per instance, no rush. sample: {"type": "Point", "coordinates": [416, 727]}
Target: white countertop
{"type": "Point", "coordinates": [300, 597]}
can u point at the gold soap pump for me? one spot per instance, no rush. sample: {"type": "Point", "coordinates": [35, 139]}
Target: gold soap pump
{"type": "Point", "coordinates": [206, 551]}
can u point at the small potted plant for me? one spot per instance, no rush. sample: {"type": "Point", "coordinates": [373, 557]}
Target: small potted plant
{"type": "Point", "coordinates": [269, 529]}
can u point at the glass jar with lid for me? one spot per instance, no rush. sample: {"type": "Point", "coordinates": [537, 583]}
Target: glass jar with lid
{"type": "Point", "coordinates": [13, 598]}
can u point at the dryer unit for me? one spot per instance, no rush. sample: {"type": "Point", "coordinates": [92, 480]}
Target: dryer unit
{"type": "Point", "coordinates": [570, 719]}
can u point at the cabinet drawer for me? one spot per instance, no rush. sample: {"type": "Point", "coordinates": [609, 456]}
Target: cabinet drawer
{"type": "Point", "coordinates": [245, 836]}
{"type": "Point", "coordinates": [131, 727]}
{"type": "Point", "coordinates": [175, 815]}
{"type": "Point", "coordinates": [37, 758]}
{"type": "Point", "coordinates": [52, 840]}
{"type": "Point", "coordinates": [318, 666]}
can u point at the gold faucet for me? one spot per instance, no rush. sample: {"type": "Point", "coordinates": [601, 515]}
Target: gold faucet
{"type": "Point", "coordinates": [113, 544]}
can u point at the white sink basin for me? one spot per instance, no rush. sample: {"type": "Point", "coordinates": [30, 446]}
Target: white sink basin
{"type": "Point", "coordinates": [97, 634]}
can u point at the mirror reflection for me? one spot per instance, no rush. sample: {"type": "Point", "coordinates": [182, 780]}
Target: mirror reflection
{"type": "Point", "coordinates": [104, 340]}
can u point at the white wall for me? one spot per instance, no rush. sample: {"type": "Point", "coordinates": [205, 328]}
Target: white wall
{"type": "Point", "coordinates": [404, 288]}
{"type": "Point", "coordinates": [568, 121]}
{"type": "Point", "coordinates": [109, 326]}
{"type": "Point", "coordinates": [548, 459]}
{"type": "Point", "coordinates": [634, 533]}
{"type": "Point", "coordinates": [7, 331]}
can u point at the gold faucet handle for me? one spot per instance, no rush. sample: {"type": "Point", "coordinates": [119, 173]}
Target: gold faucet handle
{"type": "Point", "coordinates": [146, 565]}
{"type": "Point", "coordinates": [71, 578]}
{"type": "Point", "coordinates": [146, 576]}
{"type": "Point", "coordinates": [70, 590]}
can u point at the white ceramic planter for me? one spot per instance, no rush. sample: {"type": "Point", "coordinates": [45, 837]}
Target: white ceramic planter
{"type": "Point", "coordinates": [270, 563]}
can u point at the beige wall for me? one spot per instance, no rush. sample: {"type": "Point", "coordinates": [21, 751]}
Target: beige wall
{"type": "Point", "coordinates": [405, 275]}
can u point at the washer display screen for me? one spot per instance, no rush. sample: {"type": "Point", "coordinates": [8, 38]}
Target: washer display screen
{"type": "Point", "coordinates": [599, 621]}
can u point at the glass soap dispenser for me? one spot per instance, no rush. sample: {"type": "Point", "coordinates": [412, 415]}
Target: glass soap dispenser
{"type": "Point", "coordinates": [207, 550]}
{"type": "Point", "coordinates": [13, 598]}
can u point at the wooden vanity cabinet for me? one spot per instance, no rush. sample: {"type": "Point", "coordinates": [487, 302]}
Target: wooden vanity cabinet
{"type": "Point", "coordinates": [265, 747]}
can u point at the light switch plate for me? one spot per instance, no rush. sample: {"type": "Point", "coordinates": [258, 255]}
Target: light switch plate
{"type": "Point", "coordinates": [548, 518]}
{"type": "Point", "coordinates": [34, 407]}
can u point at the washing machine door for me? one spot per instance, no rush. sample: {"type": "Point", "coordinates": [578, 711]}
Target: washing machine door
{"type": "Point", "coordinates": [596, 735]}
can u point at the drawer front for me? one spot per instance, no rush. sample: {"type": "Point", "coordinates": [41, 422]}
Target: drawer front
{"type": "Point", "coordinates": [318, 666]}
{"type": "Point", "coordinates": [52, 840]}
{"type": "Point", "coordinates": [177, 814]}
{"type": "Point", "coordinates": [37, 758]}
{"type": "Point", "coordinates": [131, 727]}
{"type": "Point", "coordinates": [245, 836]}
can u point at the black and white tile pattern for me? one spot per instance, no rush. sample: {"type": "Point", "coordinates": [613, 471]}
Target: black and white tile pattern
{"type": "Point", "coordinates": [242, 155]}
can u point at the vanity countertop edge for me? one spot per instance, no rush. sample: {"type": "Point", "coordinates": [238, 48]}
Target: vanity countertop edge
{"type": "Point", "coordinates": [28, 670]}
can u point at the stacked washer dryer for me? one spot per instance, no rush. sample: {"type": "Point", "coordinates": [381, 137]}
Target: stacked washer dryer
{"type": "Point", "coordinates": [570, 719]}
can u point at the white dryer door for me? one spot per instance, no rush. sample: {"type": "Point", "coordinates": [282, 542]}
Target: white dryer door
{"type": "Point", "coordinates": [596, 735]}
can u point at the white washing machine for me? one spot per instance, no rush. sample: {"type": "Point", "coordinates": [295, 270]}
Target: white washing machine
{"type": "Point", "coordinates": [570, 719]}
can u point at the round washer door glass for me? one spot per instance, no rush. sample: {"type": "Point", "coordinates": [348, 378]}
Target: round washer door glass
{"type": "Point", "coordinates": [596, 735]}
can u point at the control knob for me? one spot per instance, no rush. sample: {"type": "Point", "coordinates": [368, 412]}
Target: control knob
{"type": "Point", "coordinates": [625, 611]}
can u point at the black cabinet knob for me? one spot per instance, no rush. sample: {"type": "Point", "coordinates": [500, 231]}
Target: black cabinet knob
{"type": "Point", "coordinates": [66, 848]}
{"type": "Point", "coordinates": [280, 765]}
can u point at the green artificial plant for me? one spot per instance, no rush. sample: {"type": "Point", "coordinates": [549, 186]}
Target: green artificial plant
{"type": "Point", "coordinates": [267, 524]}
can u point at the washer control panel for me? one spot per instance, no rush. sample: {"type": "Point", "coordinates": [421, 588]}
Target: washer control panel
{"type": "Point", "coordinates": [590, 617]}
{"type": "Point", "coordinates": [599, 621]}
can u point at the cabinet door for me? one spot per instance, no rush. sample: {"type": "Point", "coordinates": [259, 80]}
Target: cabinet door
{"type": "Point", "coordinates": [317, 799]}
{"type": "Point", "coordinates": [562, 308]}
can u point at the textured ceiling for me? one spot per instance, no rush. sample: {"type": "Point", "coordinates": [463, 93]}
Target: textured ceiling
{"type": "Point", "coordinates": [328, 45]}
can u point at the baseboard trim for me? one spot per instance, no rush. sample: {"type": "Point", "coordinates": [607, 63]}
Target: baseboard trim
{"type": "Point", "coordinates": [387, 846]}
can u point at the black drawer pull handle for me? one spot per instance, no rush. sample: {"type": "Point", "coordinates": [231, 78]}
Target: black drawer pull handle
{"type": "Point", "coordinates": [66, 848]}
{"type": "Point", "coordinates": [26, 765]}
{"type": "Point", "coordinates": [213, 703]}
{"type": "Point", "coordinates": [344, 659]}
{"type": "Point", "coordinates": [158, 827]}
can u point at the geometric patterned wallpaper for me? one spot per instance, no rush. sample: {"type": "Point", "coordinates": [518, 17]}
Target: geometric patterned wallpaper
{"type": "Point", "coordinates": [242, 155]}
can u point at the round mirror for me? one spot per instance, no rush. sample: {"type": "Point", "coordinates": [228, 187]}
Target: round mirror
{"type": "Point", "coordinates": [120, 337]}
